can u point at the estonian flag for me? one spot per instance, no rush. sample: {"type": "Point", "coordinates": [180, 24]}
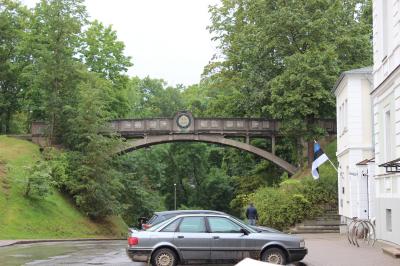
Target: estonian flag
{"type": "Point", "coordinates": [319, 158]}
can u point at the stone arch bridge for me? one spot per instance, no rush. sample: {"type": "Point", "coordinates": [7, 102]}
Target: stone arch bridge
{"type": "Point", "coordinates": [141, 133]}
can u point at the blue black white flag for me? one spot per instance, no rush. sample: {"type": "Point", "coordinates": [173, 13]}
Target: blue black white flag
{"type": "Point", "coordinates": [319, 158]}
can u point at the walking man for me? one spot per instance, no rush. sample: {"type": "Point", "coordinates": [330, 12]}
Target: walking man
{"type": "Point", "coordinates": [251, 214]}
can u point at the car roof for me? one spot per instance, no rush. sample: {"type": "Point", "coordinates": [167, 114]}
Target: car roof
{"type": "Point", "coordinates": [202, 214]}
{"type": "Point", "coordinates": [177, 212]}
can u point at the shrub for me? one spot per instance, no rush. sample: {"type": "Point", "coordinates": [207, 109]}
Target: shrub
{"type": "Point", "coordinates": [38, 181]}
{"type": "Point", "coordinates": [293, 201]}
{"type": "Point", "coordinates": [279, 208]}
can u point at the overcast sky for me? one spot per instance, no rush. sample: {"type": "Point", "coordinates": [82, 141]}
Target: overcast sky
{"type": "Point", "coordinates": [166, 39]}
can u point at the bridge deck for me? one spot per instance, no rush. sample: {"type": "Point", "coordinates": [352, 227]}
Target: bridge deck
{"type": "Point", "coordinates": [235, 127]}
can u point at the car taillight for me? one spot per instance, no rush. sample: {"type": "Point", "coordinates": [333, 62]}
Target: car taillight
{"type": "Point", "coordinates": [146, 226]}
{"type": "Point", "coordinates": [132, 241]}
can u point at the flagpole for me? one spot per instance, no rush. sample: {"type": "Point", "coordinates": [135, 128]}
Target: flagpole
{"type": "Point", "coordinates": [333, 165]}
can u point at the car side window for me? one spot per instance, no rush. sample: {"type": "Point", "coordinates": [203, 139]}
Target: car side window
{"type": "Point", "coordinates": [192, 225]}
{"type": "Point", "coordinates": [171, 227]}
{"type": "Point", "coordinates": [223, 225]}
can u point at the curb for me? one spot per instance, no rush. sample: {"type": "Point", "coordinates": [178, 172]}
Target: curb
{"type": "Point", "coordinates": [7, 243]}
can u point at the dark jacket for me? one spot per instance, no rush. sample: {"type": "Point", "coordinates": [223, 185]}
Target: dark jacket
{"type": "Point", "coordinates": [251, 213]}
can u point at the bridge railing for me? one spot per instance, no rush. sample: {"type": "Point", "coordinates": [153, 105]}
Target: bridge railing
{"type": "Point", "coordinates": [224, 126]}
{"type": "Point", "coordinates": [201, 125]}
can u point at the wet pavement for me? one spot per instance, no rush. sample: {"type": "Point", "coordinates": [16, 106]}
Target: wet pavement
{"type": "Point", "coordinates": [66, 253]}
{"type": "Point", "coordinates": [323, 250]}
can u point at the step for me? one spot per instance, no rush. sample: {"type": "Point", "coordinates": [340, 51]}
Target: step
{"type": "Point", "coordinates": [392, 251]}
{"type": "Point", "coordinates": [326, 219]}
{"type": "Point", "coordinates": [329, 215]}
{"type": "Point", "coordinates": [313, 231]}
{"type": "Point", "coordinates": [323, 222]}
{"type": "Point", "coordinates": [317, 227]}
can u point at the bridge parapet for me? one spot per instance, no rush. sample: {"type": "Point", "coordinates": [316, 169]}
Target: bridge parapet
{"type": "Point", "coordinates": [184, 122]}
{"type": "Point", "coordinates": [229, 127]}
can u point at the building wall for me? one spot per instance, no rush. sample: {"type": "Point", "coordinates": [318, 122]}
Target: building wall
{"type": "Point", "coordinates": [386, 111]}
{"type": "Point", "coordinates": [382, 230]}
{"type": "Point", "coordinates": [386, 100]}
{"type": "Point", "coordinates": [386, 38]}
{"type": "Point", "coordinates": [354, 143]}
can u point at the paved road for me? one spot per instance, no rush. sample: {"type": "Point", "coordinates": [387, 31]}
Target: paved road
{"type": "Point", "coordinates": [324, 250]}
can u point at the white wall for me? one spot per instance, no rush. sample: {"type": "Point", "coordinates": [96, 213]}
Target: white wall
{"type": "Point", "coordinates": [354, 142]}
{"type": "Point", "coordinates": [386, 56]}
{"type": "Point", "coordinates": [386, 98]}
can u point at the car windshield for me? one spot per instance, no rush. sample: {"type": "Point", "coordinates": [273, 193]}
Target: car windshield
{"type": "Point", "coordinates": [243, 224]}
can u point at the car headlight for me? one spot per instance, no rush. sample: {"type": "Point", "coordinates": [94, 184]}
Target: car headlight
{"type": "Point", "coordinates": [302, 244]}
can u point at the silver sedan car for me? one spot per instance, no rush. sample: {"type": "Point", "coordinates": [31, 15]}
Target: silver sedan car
{"type": "Point", "coordinates": [211, 238]}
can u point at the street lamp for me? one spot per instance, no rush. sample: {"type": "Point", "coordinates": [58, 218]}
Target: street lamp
{"type": "Point", "coordinates": [175, 195]}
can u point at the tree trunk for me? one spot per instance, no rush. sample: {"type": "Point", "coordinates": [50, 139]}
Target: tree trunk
{"type": "Point", "coordinates": [7, 122]}
{"type": "Point", "coordinates": [310, 145]}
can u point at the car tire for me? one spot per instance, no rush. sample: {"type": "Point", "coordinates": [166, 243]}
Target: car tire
{"type": "Point", "coordinates": [164, 257]}
{"type": "Point", "coordinates": [274, 256]}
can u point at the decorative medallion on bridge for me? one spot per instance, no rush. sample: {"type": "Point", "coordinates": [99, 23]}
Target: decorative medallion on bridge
{"type": "Point", "coordinates": [183, 121]}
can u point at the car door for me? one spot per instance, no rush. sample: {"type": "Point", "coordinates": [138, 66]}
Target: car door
{"type": "Point", "coordinates": [227, 241]}
{"type": "Point", "coordinates": [192, 238]}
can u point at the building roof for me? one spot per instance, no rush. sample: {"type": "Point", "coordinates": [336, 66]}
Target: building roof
{"type": "Point", "coordinates": [357, 71]}
{"type": "Point", "coordinates": [366, 161]}
{"type": "Point", "coordinates": [363, 70]}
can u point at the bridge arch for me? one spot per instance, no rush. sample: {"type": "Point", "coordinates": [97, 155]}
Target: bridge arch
{"type": "Point", "coordinates": [150, 140]}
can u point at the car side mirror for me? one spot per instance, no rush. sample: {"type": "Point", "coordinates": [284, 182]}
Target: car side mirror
{"type": "Point", "coordinates": [244, 231]}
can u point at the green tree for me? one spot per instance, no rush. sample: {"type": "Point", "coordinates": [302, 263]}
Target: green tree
{"type": "Point", "coordinates": [104, 54]}
{"type": "Point", "coordinates": [154, 98]}
{"type": "Point", "coordinates": [13, 21]}
{"type": "Point", "coordinates": [55, 36]}
{"type": "Point", "coordinates": [281, 58]}
{"type": "Point", "coordinates": [93, 182]}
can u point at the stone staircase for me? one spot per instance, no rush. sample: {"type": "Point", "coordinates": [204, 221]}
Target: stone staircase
{"type": "Point", "coordinates": [329, 222]}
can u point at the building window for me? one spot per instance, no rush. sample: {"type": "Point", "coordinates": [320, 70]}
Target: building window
{"type": "Point", "coordinates": [385, 28]}
{"type": "Point", "coordinates": [387, 143]}
{"type": "Point", "coordinates": [345, 115]}
{"type": "Point", "coordinates": [340, 120]}
{"type": "Point", "coordinates": [389, 220]}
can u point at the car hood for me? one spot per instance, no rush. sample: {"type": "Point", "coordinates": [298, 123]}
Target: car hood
{"type": "Point", "coordinates": [265, 229]}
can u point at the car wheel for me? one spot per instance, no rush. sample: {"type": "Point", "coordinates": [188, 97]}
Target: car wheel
{"type": "Point", "coordinates": [164, 257]}
{"type": "Point", "coordinates": [274, 256]}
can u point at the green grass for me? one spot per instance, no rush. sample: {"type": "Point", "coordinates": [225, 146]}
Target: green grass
{"type": "Point", "coordinates": [51, 217]}
{"type": "Point", "coordinates": [326, 170]}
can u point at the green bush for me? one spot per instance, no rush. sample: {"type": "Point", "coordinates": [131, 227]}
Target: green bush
{"type": "Point", "coordinates": [38, 181]}
{"type": "Point", "coordinates": [294, 199]}
{"type": "Point", "coordinates": [279, 208]}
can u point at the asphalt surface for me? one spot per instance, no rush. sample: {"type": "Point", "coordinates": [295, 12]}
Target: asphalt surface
{"type": "Point", "coordinates": [324, 250]}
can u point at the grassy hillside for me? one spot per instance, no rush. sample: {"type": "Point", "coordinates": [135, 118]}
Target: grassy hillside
{"type": "Point", "coordinates": [51, 217]}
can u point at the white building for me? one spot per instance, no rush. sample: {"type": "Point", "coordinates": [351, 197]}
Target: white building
{"type": "Point", "coordinates": [368, 118]}
{"type": "Point", "coordinates": [354, 144]}
{"type": "Point", "coordinates": [386, 117]}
